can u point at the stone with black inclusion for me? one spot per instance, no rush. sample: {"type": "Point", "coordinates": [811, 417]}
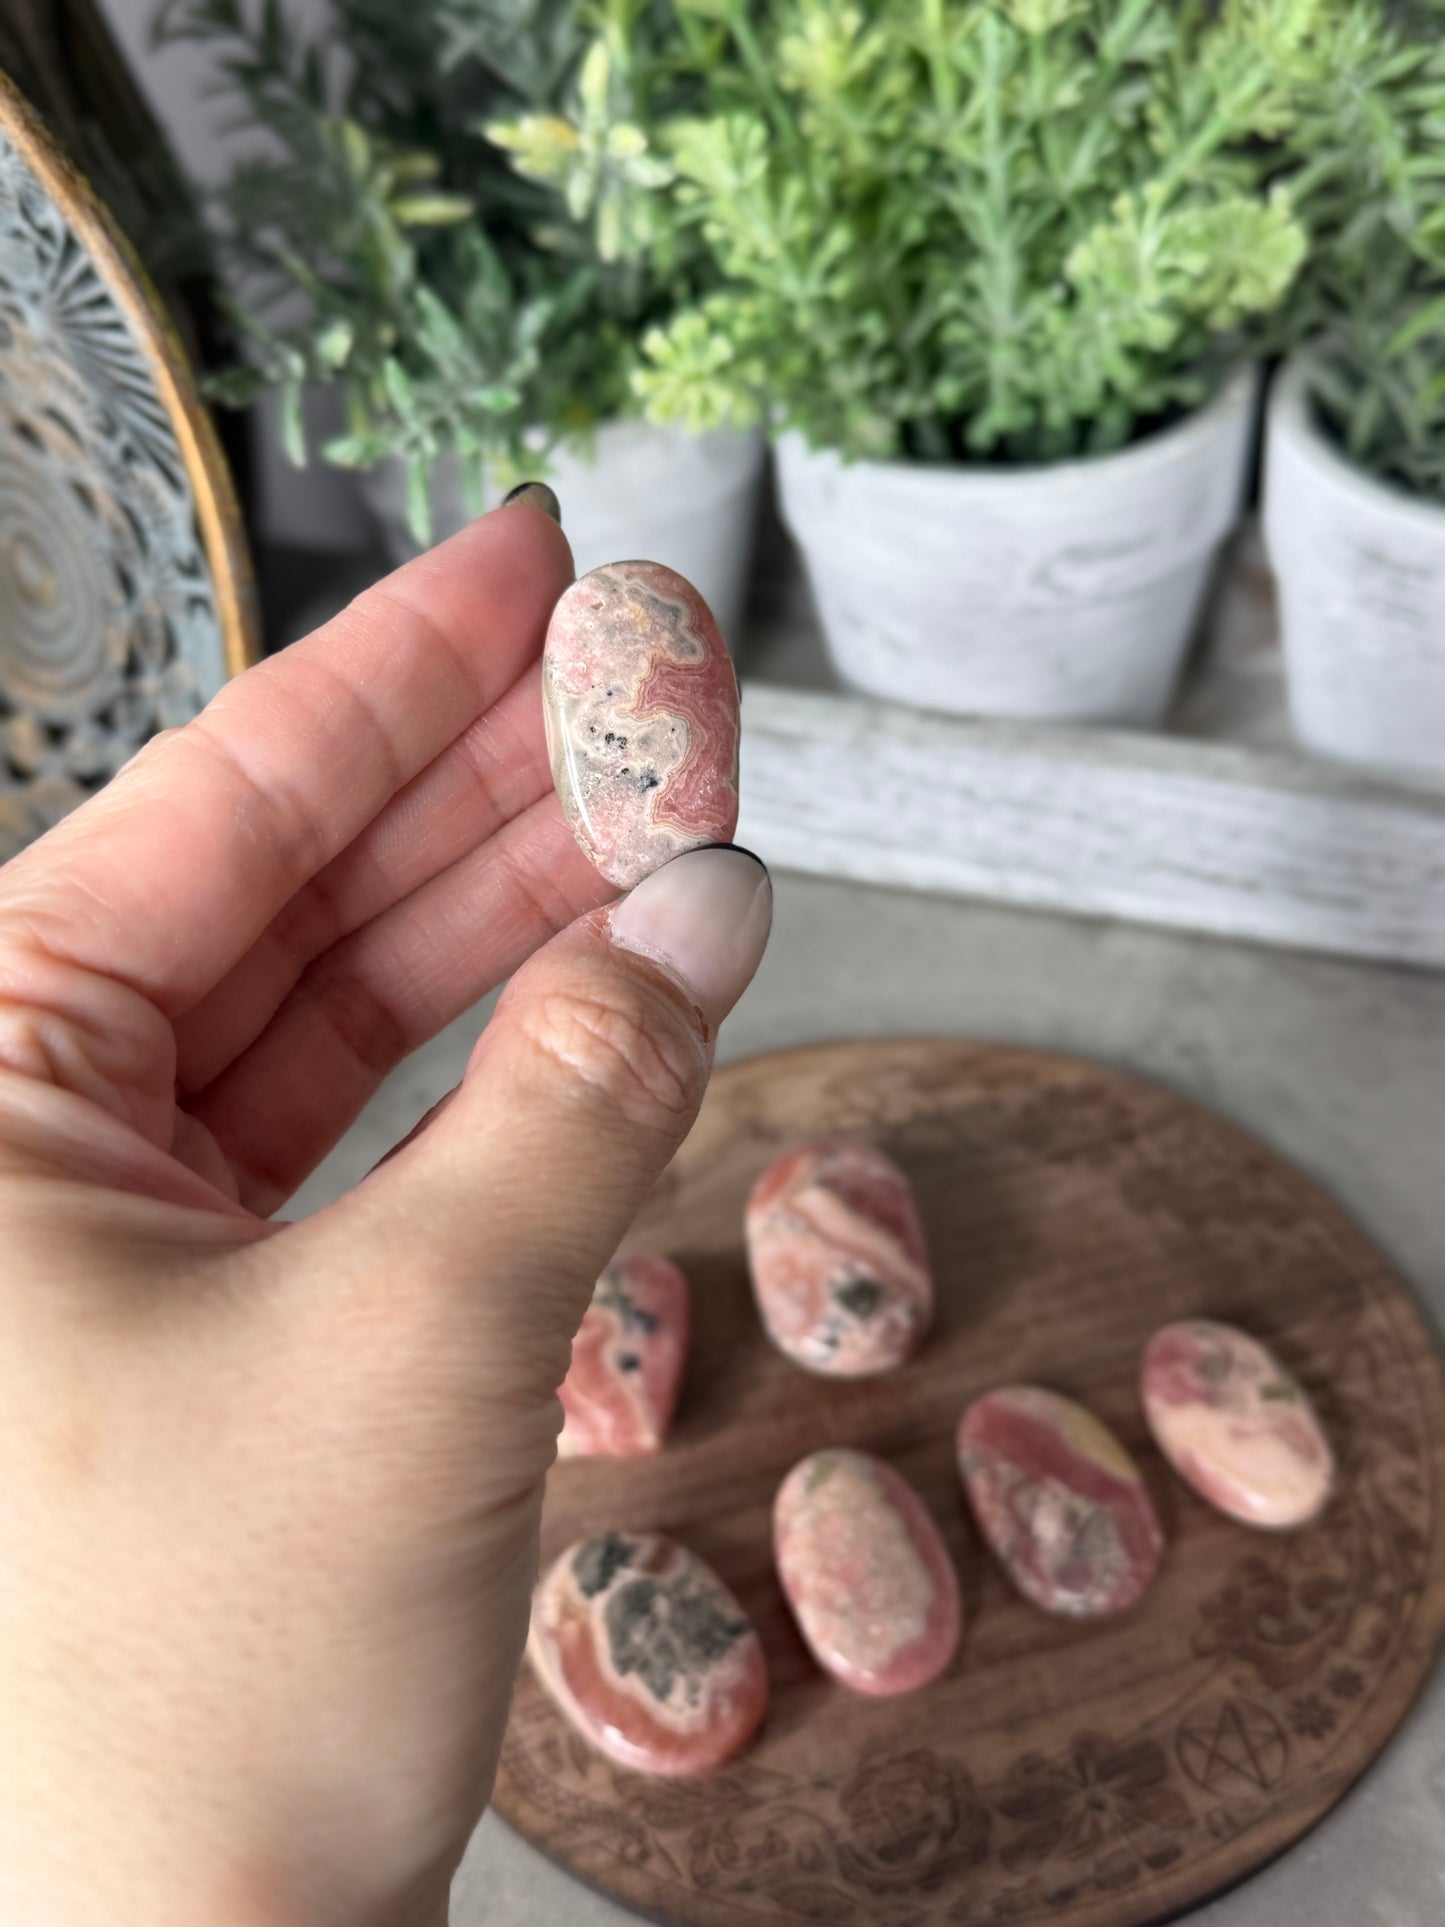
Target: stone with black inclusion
{"type": "Point", "coordinates": [597, 1562]}
{"type": "Point", "coordinates": [641, 710]}
{"type": "Point", "coordinates": [648, 1654]}
{"type": "Point", "coordinates": [669, 1635]}
{"type": "Point", "coordinates": [628, 1359]}
{"type": "Point", "coordinates": [838, 1258]}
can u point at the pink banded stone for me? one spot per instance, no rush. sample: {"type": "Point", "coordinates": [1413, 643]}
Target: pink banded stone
{"type": "Point", "coordinates": [641, 706]}
{"type": "Point", "coordinates": [627, 1361]}
{"type": "Point", "coordinates": [648, 1653]}
{"type": "Point", "coordinates": [838, 1259]}
{"type": "Point", "coordinates": [1059, 1501]}
{"type": "Point", "coordinates": [866, 1572]}
{"type": "Point", "coordinates": [1232, 1422]}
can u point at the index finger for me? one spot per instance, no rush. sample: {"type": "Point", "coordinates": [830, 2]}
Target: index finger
{"type": "Point", "coordinates": [167, 878]}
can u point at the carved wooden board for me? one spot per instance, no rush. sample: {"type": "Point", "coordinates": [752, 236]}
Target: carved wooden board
{"type": "Point", "coordinates": [1100, 1776]}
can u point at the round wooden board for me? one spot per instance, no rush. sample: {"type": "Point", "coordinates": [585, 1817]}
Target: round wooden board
{"type": "Point", "coordinates": [1100, 1776]}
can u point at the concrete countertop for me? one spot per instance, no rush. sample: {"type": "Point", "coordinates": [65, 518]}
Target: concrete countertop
{"type": "Point", "coordinates": [1340, 1067]}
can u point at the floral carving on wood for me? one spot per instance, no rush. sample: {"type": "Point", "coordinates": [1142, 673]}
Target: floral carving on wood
{"type": "Point", "coordinates": [911, 1822]}
{"type": "Point", "coordinates": [1102, 1814]}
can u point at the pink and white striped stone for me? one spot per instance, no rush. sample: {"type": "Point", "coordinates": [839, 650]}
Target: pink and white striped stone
{"type": "Point", "coordinates": [648, 1653]}
{"type": "Point", "coordinates": [641, 707]}
{"type": "Point", "coordinates": [838, 1259]}
{"type": "Point", "coordinates": [1060, 1502]}
{"type": "Point", "coordinates": [866, 1573]}
{"type": "Point", "coordinates": [1235, 1425]}
{"type": "Point", "coordinates": [627, 1361]}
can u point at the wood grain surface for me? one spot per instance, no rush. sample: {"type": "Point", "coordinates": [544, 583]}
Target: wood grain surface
{"type": "Point", "coordinates": [1092, 1776]}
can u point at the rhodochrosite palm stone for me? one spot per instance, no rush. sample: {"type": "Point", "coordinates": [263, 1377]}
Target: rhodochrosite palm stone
{"type": "Point", "coordinates": [648, 1653]}
{"type": "Point", "coordinates": [866, 1573]}
{"type": "Point", "coordinates": [627, 1361]}
{"type": "Point", "coordinates": [838, 1259]}
{"type": "Point", "coordinates": [641, 705]}
{"type": "Point", "coordinates": [1059, 1501]}
{"type": "Point", "coordinates": [1233, 1423]}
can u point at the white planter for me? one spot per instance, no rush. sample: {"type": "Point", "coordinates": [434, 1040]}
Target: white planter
{"type": "Point", "coordinates": [1064, 591]}
{"type": "Point", "coordinates": [1361, 574]}
{"type": "Point", "coordinates": [655, 494]}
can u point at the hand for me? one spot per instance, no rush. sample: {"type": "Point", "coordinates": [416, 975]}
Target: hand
{"type": "Point", "coordinates": [270, 1492]}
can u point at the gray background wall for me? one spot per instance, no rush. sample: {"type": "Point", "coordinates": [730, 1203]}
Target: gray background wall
{"type": "Point", "coordinates": [175, 80]}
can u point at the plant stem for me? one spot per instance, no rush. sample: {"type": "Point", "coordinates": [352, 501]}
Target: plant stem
{"type": "Point", "coordinates": [1001, 280]}
{"type": "Point", "coordinates": [736, 17]}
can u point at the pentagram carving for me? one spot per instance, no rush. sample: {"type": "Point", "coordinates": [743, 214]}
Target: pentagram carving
{"type": "Point", "coordinates": [1232, 1747]}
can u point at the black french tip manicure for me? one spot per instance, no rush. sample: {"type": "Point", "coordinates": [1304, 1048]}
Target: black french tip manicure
{"type": "Point", "coordinates": [742, 850]}
{"type": "Point", "coordinates": [537, 495]}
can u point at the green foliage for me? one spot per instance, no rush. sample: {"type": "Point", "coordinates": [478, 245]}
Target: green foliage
{"type": "Point", "coordinates": [1013, 231]}
{"type": "Point", "coordinates": [600, 163]}
{"type": "Point", "coordinates": [1369, 318]}
{"type": "Point", "coordinates": [384, 236]}
{"type": "Point", "coordinates": [998, 230]}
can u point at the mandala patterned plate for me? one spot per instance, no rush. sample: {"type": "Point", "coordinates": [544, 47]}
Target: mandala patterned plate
{"type": "Point", "coordinates": [125, 596]}
{"type": "Point", "coordinates": [1104, 1775]}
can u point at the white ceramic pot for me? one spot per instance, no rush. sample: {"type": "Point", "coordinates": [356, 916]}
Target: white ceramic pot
{"type": "Point", "coordinates": [1361, 573]}
{"type": "Point", "coordinates": [656, 494]}
{"type": "Point", "coordinates": [1063, 591]}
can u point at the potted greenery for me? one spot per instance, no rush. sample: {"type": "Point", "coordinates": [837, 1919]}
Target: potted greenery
{"type": "Point", "coordinates": [989, 269]}
{"type": "Point", "coordinates": [1355, 451]}
{"type": "Point", "coordinates": [453, 212]}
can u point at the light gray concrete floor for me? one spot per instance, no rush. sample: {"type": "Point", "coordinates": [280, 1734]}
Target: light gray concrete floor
{"type": "Point", "coordinates": [1339, 1066]}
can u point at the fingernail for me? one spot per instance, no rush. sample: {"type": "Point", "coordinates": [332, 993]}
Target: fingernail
{"type": "Point", "coordinates": [704, 919]}
{"type": "Point", "coordinates": [536, 495]}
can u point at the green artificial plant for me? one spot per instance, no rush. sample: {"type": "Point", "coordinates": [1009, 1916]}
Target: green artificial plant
{"type": "Point", "coordinates": [950, 230]}
{"type": "Point", "coordinates": [1368, 318]}
{"type": "Point", "coordinates": [453, 209]}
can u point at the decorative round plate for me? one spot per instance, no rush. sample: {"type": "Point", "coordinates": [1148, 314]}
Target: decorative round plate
{"type": "Point", "coordinates": [1089, 1776]}
{"type": "Point", "coordinates": [125, 596]}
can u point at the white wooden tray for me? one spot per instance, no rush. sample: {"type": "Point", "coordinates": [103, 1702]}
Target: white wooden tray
{"type": "Point", "coordinates": [1218, 825]}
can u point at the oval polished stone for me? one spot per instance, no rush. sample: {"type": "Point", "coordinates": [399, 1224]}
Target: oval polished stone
{"type": "Point", "coordinates": [648, 1653]}
{"type": "Point", "coordinates": [866, 1573]}
{"type": "Point", "coordinates": [1235, 1425]}
{"type": "Point", "coordinates": [1059, 1501]}
{"type": "Point", "coordinates": [838, 1260]}
{"type": "Point", "coordinates": [627, 1361]}
{"type": "Point", "coordinates": [641, 707]}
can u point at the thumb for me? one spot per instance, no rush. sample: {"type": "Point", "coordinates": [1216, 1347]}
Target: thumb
{"type": "Point", "coordinates": [579, 1091]}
